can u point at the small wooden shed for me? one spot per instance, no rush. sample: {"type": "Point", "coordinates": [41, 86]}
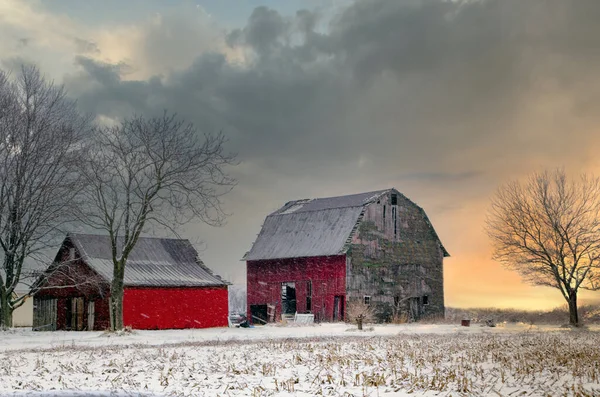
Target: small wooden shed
{"type": "Point", "coordinates": [166, 287]}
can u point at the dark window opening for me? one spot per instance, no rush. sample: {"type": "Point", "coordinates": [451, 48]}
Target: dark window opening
{"type": "Point", "coordinates": [288, 298]}
{"type": "Point", "coordinates": [425, 299]}
{"type": "Point", "coordinates": [396, 301]}
{"type": "Point", "coordinates": [384, 218]}
{"type": "Point", "coordinates": [395, 221]}
{"type": "Point", "coordinates": [394, 199]}
{"type": "Point", "coordinates": [367, 300]}
{"type": "Point", "coordinates": [309, 296]}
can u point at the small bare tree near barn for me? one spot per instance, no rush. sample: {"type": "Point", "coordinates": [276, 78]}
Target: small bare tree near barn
{"type": "Point", "coordinates": [548, 230]}
{"type": "Point", "coordinates": [41, 145]}
{"type": "Point", "coordinates": [147, 172]}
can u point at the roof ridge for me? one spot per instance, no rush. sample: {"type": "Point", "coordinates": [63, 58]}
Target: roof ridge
{"type": "Point", "coordinates": [144, 237]}
{"type": "Point", "coordinates": [277, 213]}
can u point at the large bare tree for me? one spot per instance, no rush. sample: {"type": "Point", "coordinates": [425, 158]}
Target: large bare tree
{"type": "Point", "coordinates": [41, 145]}
{"type": "Point", "coordinates": [148, 172]}
{"type": "Point", "coordinates": [548, 230]}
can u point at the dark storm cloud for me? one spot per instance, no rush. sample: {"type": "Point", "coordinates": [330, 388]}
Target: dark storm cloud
{"type": "Point", "coordinates": [441, 99]}
{"type": "Point", "coordinates": [394, 83]}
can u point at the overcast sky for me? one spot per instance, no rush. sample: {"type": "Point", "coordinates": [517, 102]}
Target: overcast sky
{"type": "Point", "coordinates": [443, 100]}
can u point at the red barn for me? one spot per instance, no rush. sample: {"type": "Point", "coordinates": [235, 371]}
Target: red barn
{"type": "Point", "coordinates": [166, 286]}
{"type": "Point", "coordinates": [320, 255]}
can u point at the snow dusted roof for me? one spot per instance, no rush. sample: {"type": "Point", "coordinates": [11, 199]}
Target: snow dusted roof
{"type": "Point", "coordinates": [156, 262]}
{"type": "Point", "coordinates": [310, 227]}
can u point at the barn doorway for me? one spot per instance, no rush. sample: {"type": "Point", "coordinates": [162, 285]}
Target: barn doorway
{"type": "Point", "coordinates": [74, 314]}
{"type": "Point", "coordinates": [338, 308]}
{"type": "Point", "coordinates": [288, 298]}
{"type": "Point", "coordinates": [258, 314]}
{"type": "Point", "coordinates": [415, 309]}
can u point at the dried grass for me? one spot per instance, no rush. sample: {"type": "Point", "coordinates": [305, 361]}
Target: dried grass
{"type": "Point", "coordinates": [531, 363]}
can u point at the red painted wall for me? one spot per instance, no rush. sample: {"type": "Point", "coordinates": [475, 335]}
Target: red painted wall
{"type": "Point", "coordinates": [167, 308]}
{"type": "Point", "coordinates": [326, 273]}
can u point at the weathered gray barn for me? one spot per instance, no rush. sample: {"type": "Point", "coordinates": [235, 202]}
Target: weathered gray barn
{"type": "Point", "coordinates": [319, 255]}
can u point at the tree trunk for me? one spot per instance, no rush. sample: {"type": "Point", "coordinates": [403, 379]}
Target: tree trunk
{"type": "Point", "coordinates": [5, 310]}
{"type": "Point", "coordinates": [116, 306]}
{"type": "Point", "coordinates": [573, 315]}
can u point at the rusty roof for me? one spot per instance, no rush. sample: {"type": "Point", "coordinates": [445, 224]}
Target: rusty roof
{"type": "Point", "coordinates": [156, 262]}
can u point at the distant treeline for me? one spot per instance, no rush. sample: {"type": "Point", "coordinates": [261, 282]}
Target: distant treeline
{"type": "Point", "coordinates": [590, 314]}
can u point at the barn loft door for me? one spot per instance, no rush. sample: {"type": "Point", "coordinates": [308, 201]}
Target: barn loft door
{"type": "Point", "coordinates": [44, 314]}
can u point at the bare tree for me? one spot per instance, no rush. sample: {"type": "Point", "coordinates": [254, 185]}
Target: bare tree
{"type": "Point", "coordinates": [149, 172]}
{"type": "Point", "coordinates": [41, 144]}
{"type": "Point", "coordinates": [548, 230]}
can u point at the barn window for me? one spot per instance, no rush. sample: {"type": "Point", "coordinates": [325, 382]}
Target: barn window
{"type": "Point", "coordinates": [309, 296]}
{"type": "Point", "coordinates": [394, 199]}
{"type": "Point", "coordinates": [425, 299]}
{"type": "Point", "coordinates": [384, 218]}
{"type": "Point", "coordinates": [367, 300]}
{"type": "Point", "coordinates": [396, 301]}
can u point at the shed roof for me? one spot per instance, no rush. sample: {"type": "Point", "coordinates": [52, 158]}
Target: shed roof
{"type": "Point", "coordinates": [311, 227]}
{"type": "Point", "coordinates": [157, 262]}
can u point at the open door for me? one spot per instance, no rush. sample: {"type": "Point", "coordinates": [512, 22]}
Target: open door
{"type": "Point", "coordinates": [338, 308]}
{"type": "Point", "coordinates": [288, 298]}
{"type": "Point", "coordinates": [258, 314]}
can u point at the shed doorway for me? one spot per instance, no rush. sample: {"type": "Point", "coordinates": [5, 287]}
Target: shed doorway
{"type": "Point", "coordinates": [74, 314]}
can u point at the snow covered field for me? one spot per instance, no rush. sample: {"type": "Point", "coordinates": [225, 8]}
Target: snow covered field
{"type": "Point", "coordinates": [328, 359]}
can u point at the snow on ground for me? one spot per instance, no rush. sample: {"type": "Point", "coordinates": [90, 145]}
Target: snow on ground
{"type": "Point", "coordinates": [327, 359]}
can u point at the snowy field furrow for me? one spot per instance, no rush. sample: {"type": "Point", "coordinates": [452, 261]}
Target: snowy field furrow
{"type": "Point", "coordinates": [307, 361]}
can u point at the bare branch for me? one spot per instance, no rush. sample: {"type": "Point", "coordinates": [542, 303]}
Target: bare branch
{"type": "Point", "coordinates": [41, 146]}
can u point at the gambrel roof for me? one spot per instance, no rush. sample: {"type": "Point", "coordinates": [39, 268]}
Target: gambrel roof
{"type": "Point", "coordinates": [313, 227]}
{"type": "Point", "coordinates": [154, 262]}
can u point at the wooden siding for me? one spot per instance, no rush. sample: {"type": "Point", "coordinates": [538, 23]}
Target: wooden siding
{"type": "Point", "coordinates": [165, 308]}
{"type": "Point", "coordinates": [326, 275]}
{"type": "Point", "coordinates": [396, 258]}
{"type": "Point", "coordinates": [44, 314]}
